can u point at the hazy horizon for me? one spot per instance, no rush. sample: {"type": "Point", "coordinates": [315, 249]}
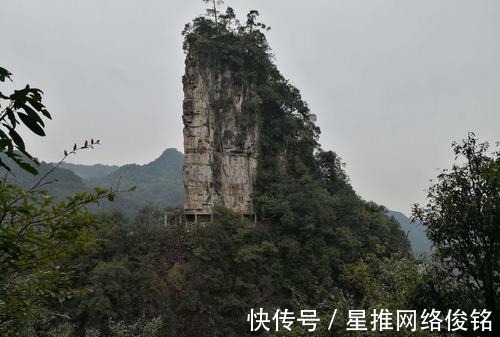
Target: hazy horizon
{"type": "Point", "coordinates": [393, 83]}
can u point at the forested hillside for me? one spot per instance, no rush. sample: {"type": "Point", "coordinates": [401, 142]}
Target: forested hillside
{"type": "Point", "coordinates": [61, 183]}
{"type": "Point", "coordinates": [157, 183]}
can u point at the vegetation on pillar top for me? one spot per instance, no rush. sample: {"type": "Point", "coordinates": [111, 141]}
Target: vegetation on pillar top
{"type": "Point", "coordinates": [227, 43]}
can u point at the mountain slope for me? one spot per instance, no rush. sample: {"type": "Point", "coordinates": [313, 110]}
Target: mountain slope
{"type": "Point", "coordinates": [60, 183]}
{"type": "Point", "coordinates": [158, 182]}
{"type": "Point", "coordinates": [416, 234]}
{"type": "Point", "coordinates": [95, 171]}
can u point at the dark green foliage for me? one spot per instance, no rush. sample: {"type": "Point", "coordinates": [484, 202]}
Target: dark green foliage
{"type": "Point", "coordinates": [126, 278]}
{"type": "Point", "coordinates": [39, 242]}
{"type": "Point", "coordinates": [40, 238]}
{"type": "Point", "coordinates": [462, 219]}
{"type": "Point", "coordinates": [203, 280]}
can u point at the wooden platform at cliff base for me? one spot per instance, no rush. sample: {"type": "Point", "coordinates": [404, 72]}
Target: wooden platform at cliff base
{"type": "Point", "coordinates": [180, 217]}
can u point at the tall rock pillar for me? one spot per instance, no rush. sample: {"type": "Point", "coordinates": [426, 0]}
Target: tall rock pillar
{"type": "Point", "coordinates": [220, 137]}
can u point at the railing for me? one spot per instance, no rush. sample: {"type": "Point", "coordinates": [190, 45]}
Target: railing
{"type": "Point", "coordinates": [179, 217]}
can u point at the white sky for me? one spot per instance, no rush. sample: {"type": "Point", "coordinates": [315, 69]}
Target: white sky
{"type": "Point", "coordinates": [392, 82]}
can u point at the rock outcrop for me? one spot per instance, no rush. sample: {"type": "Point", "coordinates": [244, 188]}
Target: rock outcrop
{"type": "Point", "coordinates": [221, 137]}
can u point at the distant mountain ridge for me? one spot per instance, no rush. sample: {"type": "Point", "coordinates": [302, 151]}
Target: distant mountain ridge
{"type": "Point", "coordinates": [95, 171]}
{"type": "Point", "coordinates": [415, 232]}
{"type": "Point", "coordinates": [60, 183]}
{"type": "Point", "coordinates": [158, 182]}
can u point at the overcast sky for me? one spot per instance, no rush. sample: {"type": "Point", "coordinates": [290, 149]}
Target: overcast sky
{"type": "Point", "coordinates": [393, 83]}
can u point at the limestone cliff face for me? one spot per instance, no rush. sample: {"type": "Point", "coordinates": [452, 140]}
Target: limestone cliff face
{"type": "Point", "coordinates": [220, 137]}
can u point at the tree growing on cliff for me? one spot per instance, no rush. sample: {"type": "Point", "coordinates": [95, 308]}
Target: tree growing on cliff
{"type": "Point", "coordinates": [213, 11]}
{"type": "Point", "coordinates": [462, 219]}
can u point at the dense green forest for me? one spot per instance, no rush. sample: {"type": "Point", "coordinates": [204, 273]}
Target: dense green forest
{"type": "Point", "coordinates": [67, 269]}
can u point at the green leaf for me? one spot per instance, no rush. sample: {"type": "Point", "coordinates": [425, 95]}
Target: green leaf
{"type": "Point", "coordinates": [2, 164]}
{"type": "Point", "coordinates": [99, 190]}
{"type": "Point", "coordinates": [12, 117]}
{"type": "Point", "coordinates": [29, 156]}
{"type": "Point", "coordinates": [16, 137]}
{"type": "Point", "coordinates": [31, 124]}
{"type": "Point", "coordinates": [4, 138]}
{"type": "Point", "coordinates": [22, 164]}
{"type": "Point", "coordinates": [46, 113]}
{"type": "Point", "coordinates": [33, 114]}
